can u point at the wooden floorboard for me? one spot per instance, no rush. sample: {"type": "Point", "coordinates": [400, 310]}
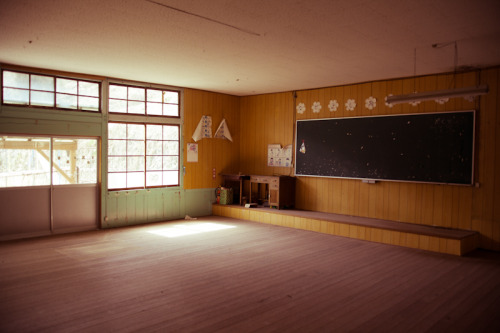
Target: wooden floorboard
{"type": "Point", "coordinates": [253, 277]}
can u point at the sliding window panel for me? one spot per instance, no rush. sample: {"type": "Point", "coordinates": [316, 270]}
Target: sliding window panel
{"type": "Point", "coordinates": [24, 212]}
{"type": "Point", "coordinates": [75, 208]}
{"type": "Point", "coordinates": [75, 161]}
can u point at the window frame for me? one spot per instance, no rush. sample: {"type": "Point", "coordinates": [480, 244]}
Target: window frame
{"type": "Point", "coordinates": [53, 166]}
{"type": "Point", "coordinates": [145, 156]}
{"type": "Point", "coordinates": [145, 101]}
{"type": "Point", "coordinates": [54, 92]}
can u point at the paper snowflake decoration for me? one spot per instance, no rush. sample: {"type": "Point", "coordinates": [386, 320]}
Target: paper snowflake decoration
{"type": "Point", "coordinates": [370, 103]}
{"type": "Point", "coordinates": [442, 100]}
{"type": "Point", "coordinates": [301, 108]}
{"type": "Point", "coordinates": [333, 105]}
{"type": "Point", "coordinates": [350, 105]}
{"type": "Point", "coordinates": [389, 105]}
{"type": "Point", "coordinates": [316, 107]}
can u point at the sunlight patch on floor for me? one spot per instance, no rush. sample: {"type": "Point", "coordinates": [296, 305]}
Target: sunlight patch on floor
{"type": "Point", "coordinates": [190, 228]}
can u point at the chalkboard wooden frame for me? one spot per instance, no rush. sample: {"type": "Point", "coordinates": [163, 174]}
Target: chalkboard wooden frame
{"type": "Point", "coordinates": [435, 147]}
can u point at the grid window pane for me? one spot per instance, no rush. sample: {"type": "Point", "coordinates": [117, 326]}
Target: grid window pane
{"type": "Point", "coordinates": [170, 110]}
{"type": "Point", "coordinates": [171, 97]}
{"type": "Point", "coordinates": [170, 163]}
{"type": "Point", "coordinates": [16, 80]}
{"type": "Point", "coordinates": [136, 107]}
{"type": "Point", "coordinates": [117, 164]}
{"type": "Point", "coordinates": [154, 178]}
{"type": "Point", "coordinates": [135, 163]}
{"type": "Point", "coordinates": [170, 132]}
{"type": "Point", "coordinates": [119, 92]}
{"type": "Point", "coordinates": [135, 148]}
{"type": "Point", "coordinates": [171, 147]}
{"type": "Point", "coordinates": [45, 83]}
{"type": "Point", "coordinates": [136, 94]}
{"type": "Point", "coordinates": [24, 161]}
{"type": "Point", "coordinates": [88, 103]}
{"type": "Point", "coordinates": [116, 105]}
{"type": "Point", "coordinates": [135, 132]}
{"type": "Point", "coordinates": [117, 180]}
{"type": "Point", "coordinates": [16, 96]}
{"type": "Point", "coordinates": [117, 131]}
{"type": "Point", "coordinates": [154, 147]}
{"type": "Point", "coordinates": [42, 98]}
{"type": "Point", "coordinates": [66, 101]}
{"type": "Point", "coordinates": [135, 179]}
{"type": "Point", "coordinates": [67, 86]}
{"type": "Point", "coordinates": [170, 178]}
{"type": "Point", "coordinates": [88, 89]}
{"type": "Point", "coordinates": [117, 147]}
{"type": "Point", "coordinates": [155, 95]}
{"type": "Point", "coordinates": [74, 161]}
{"type": "Point", "coordinates": [154, 132]}
{"type": "Point", "coordinates": [154, 163]}
{"type": "Point", "coordinates": [154, 109]}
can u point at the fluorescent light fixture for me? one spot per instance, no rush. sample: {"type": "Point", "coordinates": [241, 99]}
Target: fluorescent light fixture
{"type": "Point", "coordinates": [438, 94]}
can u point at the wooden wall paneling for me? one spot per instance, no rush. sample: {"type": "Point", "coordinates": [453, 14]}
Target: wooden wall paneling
{"type": "Point", "coordinates": [447, 206]}
{"type": "Point", "coordinates": [339, 96]}
{"type": "Point", "coordinates": [465, 217]}
{"type": "Point", "coordinates": [428, 83]}
{"type": "Point", "coordinates": [496, 195]}
{"type": "Point", "coordinates": [438, 209]}
{"type": "Point", "coordinates": [487, 157]}
{"type": "Point", "coordinates": [335, 189]}
{"type": "Point", "coordinates": [427, 204]}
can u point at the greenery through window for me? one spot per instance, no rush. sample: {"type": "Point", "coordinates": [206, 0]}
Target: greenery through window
{"type": "Point", "coordinates": [142, 155]}
{"type": "Point", "coordinates": [143, 101]}
{"type": "Point", "coordinates": [50, 91]}
{"type": "Point", "coordinates": [28, 161]}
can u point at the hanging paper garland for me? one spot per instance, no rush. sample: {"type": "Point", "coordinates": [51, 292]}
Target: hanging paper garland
{"type": "Point", "coordinates": [350, 105]}
{"type": "Point", "coordinates": [370, 103]}
{"type": "Point", "coordinates": [333, 105]}
{"type": "Point", "coordinates": [301, 107]}
{"type": "Point", "coordinates": [316, 107]}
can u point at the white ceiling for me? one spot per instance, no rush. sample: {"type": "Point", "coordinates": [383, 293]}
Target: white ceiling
{"type": "Point", "coordinates": [250, 47]}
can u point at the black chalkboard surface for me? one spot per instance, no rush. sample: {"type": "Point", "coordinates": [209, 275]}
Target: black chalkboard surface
{"type": "Point", "coordinates": [429, 147]}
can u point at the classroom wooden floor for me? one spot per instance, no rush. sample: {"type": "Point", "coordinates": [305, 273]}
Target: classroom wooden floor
{"type": "Point", "coordinates": [243, 277]}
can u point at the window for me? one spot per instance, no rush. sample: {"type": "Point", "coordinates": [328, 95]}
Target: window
{"type": "Point", "coordinates": [142, 155]}
{"type": "Point", "coordinates": [50, 91]}
{"type": "Point", "coordinates": [28, 161]}
{"type": "Point", "coordinates": [143, 101]}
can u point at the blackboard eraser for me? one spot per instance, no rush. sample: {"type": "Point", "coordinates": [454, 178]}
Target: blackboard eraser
{"type": "Point", "coordinates": [369, 181]}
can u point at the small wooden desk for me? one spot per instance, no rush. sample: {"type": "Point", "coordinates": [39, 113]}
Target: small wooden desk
{"type": "Point", "coordinates": [281, 190]}
{"type": "Point", "coordinates": [230, 180]}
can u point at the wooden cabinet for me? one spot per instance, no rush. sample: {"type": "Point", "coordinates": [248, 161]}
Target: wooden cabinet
{"type": "Point", "coordinates": [280, 190]}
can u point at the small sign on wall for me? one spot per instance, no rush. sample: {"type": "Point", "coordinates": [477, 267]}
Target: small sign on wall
{"type": "Point", "coordinates": [192, 152]}
{"type": "Point", "coordinates": [279, 157]}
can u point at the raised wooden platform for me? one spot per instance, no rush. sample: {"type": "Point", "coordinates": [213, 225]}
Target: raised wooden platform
{"type": "Point", "coordinates": [450, 241]}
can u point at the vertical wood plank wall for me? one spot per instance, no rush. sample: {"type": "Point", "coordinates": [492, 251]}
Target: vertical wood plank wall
{"type": "Point", "coordinates": [269, 119]}
{"type": "Point", "coordinates": [221, 154]}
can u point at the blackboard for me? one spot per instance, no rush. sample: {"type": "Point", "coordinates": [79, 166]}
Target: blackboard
{"type": "Point", "coordinates": [429, 147]}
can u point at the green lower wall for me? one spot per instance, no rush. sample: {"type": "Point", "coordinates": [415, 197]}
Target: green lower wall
{"type": "Point", "coordinates": [125, 208]}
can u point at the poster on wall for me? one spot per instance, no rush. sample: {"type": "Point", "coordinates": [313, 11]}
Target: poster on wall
{"type": "Point", "coordinates": [192, 152]}
{"type": "Point", "coordinates": [279, 157]}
